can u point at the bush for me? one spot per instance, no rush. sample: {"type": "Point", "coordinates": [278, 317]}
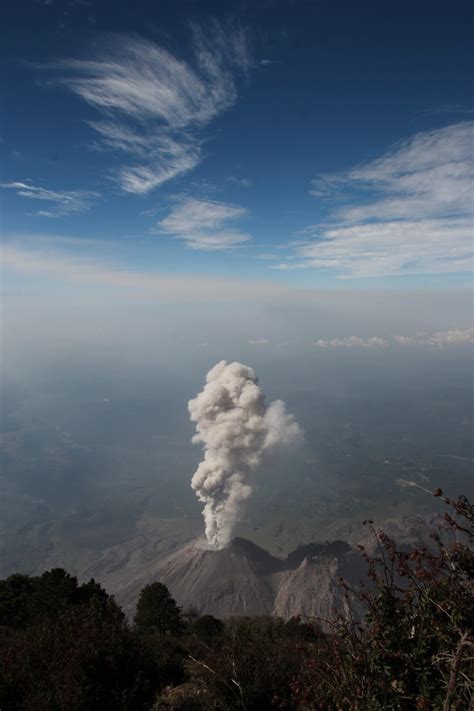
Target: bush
{"type": "Point", "coordinates": [206, 628]}
{"type": "Point", "coordinates": [414, 648]}
{"type": "Point", "coordinates": [251, 665]}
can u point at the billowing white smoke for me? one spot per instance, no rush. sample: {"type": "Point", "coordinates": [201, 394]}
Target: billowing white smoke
{"type": "Point", "coordinates": [235, 427]}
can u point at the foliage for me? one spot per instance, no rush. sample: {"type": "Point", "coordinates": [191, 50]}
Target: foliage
{"type": "Point", "coordinates": [414, 649]}
{"type": "Point", "coordinates": [190, 696]}
{"type": "Point", "coordinates": [85, 659]}
{"type": "Point", "coordinates": [253, 662]}
{"type": "Point", "coordinates": [69, 647]}
{"type": "Point", "coordinates": [25, 600]}
{"type": "Point", "coordinates": [157, 611]}
{"type": "Point", "coordinates": [206, 628]}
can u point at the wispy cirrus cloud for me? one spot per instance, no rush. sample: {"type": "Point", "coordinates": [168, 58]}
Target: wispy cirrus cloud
{"type": "Point", "coordinates": [155, 104]}
{"type": "Point", "coordinates": [61, 203]}
{"type": "Point", "coordinates": [407, 212]}
{"type": "Point", "coordinates": [391, 248]}
{"type": "Point", "coordinates": [205, 225]}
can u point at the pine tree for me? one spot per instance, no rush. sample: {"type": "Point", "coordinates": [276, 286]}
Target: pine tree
{"type": "Point", "coordinates": [157, 611]}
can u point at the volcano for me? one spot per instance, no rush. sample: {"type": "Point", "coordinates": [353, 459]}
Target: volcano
{"type": "Point", "coordinates": [244, 579]}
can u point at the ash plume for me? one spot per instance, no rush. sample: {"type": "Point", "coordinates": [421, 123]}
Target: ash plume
{"type": "Point", "coordinates": [235, 427]}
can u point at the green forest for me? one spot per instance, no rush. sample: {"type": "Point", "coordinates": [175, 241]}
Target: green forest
{"type": "Point", "coordinates": [66, 646]}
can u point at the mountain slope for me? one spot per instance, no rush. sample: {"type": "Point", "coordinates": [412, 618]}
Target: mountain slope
{"type": "Point", "coordinates": [243, 579]}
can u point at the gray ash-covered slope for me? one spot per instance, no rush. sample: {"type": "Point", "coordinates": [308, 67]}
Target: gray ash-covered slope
{"type": "Point", "coordinates": [237, 580]}
{"type": "Point", "coordinates": [244, 579]}
{"type": "Point", "coordinates": [310, 585]}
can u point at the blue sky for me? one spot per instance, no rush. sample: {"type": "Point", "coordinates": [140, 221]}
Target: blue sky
{"type": "Point", "coordinates": [184, 146]}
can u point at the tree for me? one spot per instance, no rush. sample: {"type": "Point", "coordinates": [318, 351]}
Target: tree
{"type": "Point", "coordinates": [86, 659]}
{"type": "Point", "coordinates": [15, 600]}
{"type": "Point", "coordinates": [26, 600]}
{"type": "Point", "coordinates": [157, 611]}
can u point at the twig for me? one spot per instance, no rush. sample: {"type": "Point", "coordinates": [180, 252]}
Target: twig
{"type": "Point", "coordinates": [463, 643]}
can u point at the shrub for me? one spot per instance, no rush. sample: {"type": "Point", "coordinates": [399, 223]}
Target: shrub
{"type": "Point", "coordinates": [414, 648]}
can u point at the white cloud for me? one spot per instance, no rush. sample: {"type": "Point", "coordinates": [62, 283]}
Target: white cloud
{"type": "Point", "coordinates": [391, 248]}
{"type": "Point", "coordinates": [417, 218]}
{"type": "Point", "coordinates": [283, 266]}
{"type": "Point", "coordinates": [155, 104]}
{"type": "Point", "coordinates": [159, 156]}
{"type": "Point", "coordinates": [353, 342]}
{"type": "Point", "coordinates": [203, 224]}
{"type": "Point", "coordinates": [453, 337]}
{"type": "Point", "coordinates": [63, 202]}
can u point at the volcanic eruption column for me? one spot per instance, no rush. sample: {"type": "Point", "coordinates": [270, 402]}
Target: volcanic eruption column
{"type": "Point", "coordinates": [235, 427]}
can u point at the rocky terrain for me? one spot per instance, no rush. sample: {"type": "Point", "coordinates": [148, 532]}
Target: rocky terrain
{"type": "Point", "coordinates": [244, 579]}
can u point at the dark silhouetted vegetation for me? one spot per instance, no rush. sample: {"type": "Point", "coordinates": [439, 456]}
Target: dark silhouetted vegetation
{"type": "Point", "coordinates": [65, 646]}
{"type": "Point", "coordinates": [157, 612]}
